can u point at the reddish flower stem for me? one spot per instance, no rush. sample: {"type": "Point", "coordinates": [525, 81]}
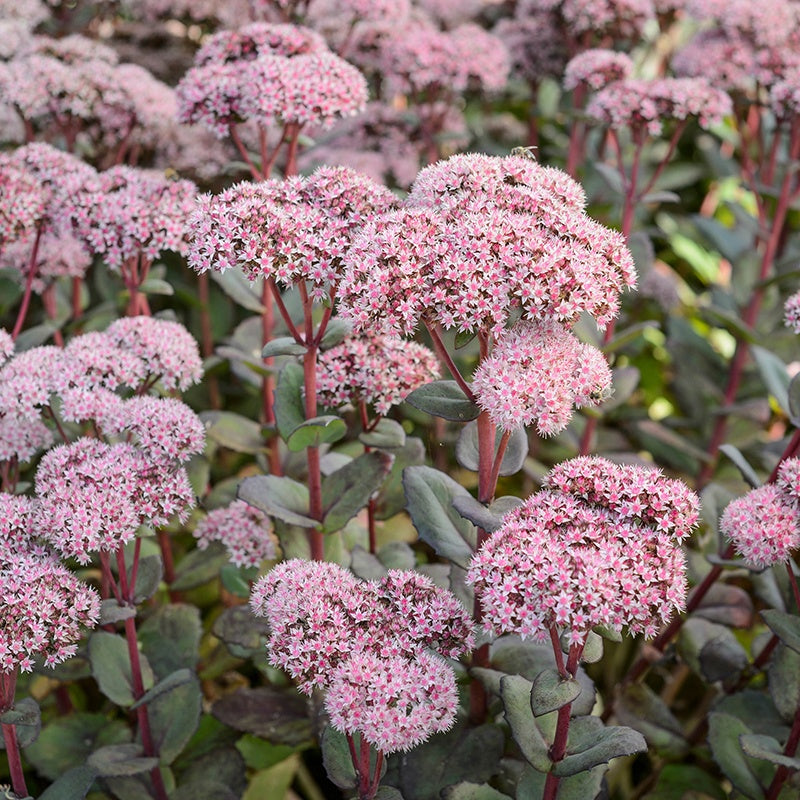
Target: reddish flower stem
{"type": "Point", "coordinates": [8, 685]}
{"type": "Point", "coordinates": [26, 297]}
{"type": "Point", "coordinates": [282, 310]}
{"type": "Point", "coordinates": [790, 749]}
{"type": "Point", "coordinates": [237, 140]}
{"type": "Point", "coordinates": [444, 356]}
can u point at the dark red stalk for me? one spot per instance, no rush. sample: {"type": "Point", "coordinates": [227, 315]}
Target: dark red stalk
{"type": "Point", "coordinates": [8, 685]}
{"type": "Point", "coordinates": [26, 297]}
{"type": "Point", "coordinates": [49, 303]}
{"type": "Point", "coordinates": [237, 140]}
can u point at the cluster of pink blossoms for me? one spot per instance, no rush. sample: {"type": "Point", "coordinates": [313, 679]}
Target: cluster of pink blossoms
{"type": "Point", "coordinates": [478, 237]}
{"type": "Point", "coordinates": [791, 312]}
{"type": "Point", "coordinates": [364, 643]}
{"type": "Point", "coordinates": [265, 73]}
{"type": "Point", "coordinates": [644, 105]}
{"type": "Point", "coordinates": [599, 545]}
{"type": "Point", "coordinates": [619, 19]}
{"type": "Point", "coordinates": [785, 96]}
{"type": "Point", "coordinates": [380, 370]}
{"type": "Point", "coordinates": [289, 230]}
{"type": "Point", "coordinates": [536, 373]}
{"type": "Point", "coordinates": [596, 68]}
{"type": "Point", "coordinates": [764, 524]}
{"type": "Point", "coordinates": [22, 202]}
{"type": "Point", "coordinates": [245, 531]}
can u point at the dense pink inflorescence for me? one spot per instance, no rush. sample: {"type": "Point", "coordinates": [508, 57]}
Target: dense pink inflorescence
{"type": "Point", "coordinates": [644, 105]}
{"type": "Point", "coordinates": [380, 370]}
{"type": "Point", "coordinates": [6, 346]}
{"type": "Point", "coordinates": [791, 312]}
{"type": "Point", "coordinates": [320, 616]}
{"type": "Point", "coordinates": [395, 703]}
{"type": "Point", "coordinates": [29, 380]}
{"type": "Point", "coordinates": [245, 531]}
{"type": "Point", "coordinates": [167, 351]}
{"type": "Point", "coordinates": [576, 555]}
{"type": "Point", "coordinates": [16, 526]}
{"type": "Point", "coordinates": [57, 256]}
{"type": "Point", "coordinates": [22, 202]}
{"type": "Point", "coordinates": [536, 374]}
{"type": "Point", "coordinates": [785, 96]}
{"type": "Point", "coordinates": [288, 230]}
{"type": "Point", "coordinates": [596, 68]}
{"type": "Point", "coordinates": [42, 611]}
{"type": "Point", "coordinates": [536, 45]}
{"type": "Point", "coordinates": [478, 237]}
{"type": "Point", "coordinates": [619, 19]}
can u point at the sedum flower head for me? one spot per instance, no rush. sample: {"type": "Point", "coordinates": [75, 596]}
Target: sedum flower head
{"type": "Point", "coordinates": [536, 44]}
{"type": "Point", "coordinates": [29, 380]}
{"type": "Point", "coordinates": [320, 615]}
{"type": "Point", "coordinates": [565, 561]}
{"type": "Point", "coordinates": [596, 68]}
{"type": "Point", "coordinates": [42, 609]}
{"type": "Point", "coordinates": [380, 370]}
{"type": "Point", "coordinates": [22, 201]}
{"type": "Point", "coordinates": [536, 374]}
{"type": "Point", "coordinates": [58, 255]}
{"type": "Point", "coordinates": [6, 346]}
{"type": "Point", "coordinates": [764, 526]}
{"type": "Point", "coordinates": [16, 525]}
{"type": "Point", "coordinates": [791, 312]}
{"type": "Point", "coordinates": [395, 703]}
{"type": "Point", "coordinates": [785, 96]}
{"type": "Point", "coordinates": [619, 19]}
{"type": "Point", "coordinates": [245, 531]}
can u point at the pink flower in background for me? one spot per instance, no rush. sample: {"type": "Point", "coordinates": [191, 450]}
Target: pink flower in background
{"type": "Point", "coordinates": [16, 526]}
{"type": "Point", "coordinates": [22, 438]}
{"type": "Point", "coordinates": [57, 256]}
{"type": "Point", "coordinates": [395, 703]}
{"type": "Point", "coordinates": [29, 380]}
{"type": "Point", "coordinates": [245, 531]}
{"type": "Point", "coordinates": [594, 69]}
{"type": "Point", "coordinates": [168, 351]}
{"type": "Point", "coordinates": [379, 370]}
{"type": "Point", "coordinates": [96, 361]}
{"type": "Point", "coordinates": [617, 19]}
{"type": "Point", "coordinates": [42, 610]}
{"type": "Point", "coordinates": [536, 374]}
{"type": "Point", "coordinates": [784, 96]}
{"type": "Point", "coordinates": [788, 479]}
{"type": "Point", "coordinates": [764, 526]}
{"type": "Point", "coordinates": [6, 346]}
{"type": "Point", "coordinates": [259, 39]}
{"type": "Point", "coordinates": [22, 202]}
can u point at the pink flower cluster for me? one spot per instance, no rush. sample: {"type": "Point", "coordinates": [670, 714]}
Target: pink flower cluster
{"type": "Point", "coordinates": [764, 524]}
{"type": "Point", "coordinates": [266, 72]}
{"type": "Point", "coordinates": [644, 105]}
{"type": "Point", "coordinates": [291, 230]}
{"type": "Point", "coordinates": [94, 496]}
{"type": "Point", "coordinates": [6, 346]}
{"type": "Point", "coordinates": [536, 373]}
{"type": "Point", "coordinates": [380, 370]}
{"type": "Point", "coordinates": [785, 96]}
{"type": "Point", "coordinates": [364, 643]}
{"type": "Point", "coordinates": [791, 312]}
{"type": "Point", "coordinates": [245, 531]}
{"type": "Point", "coordinates": [593, 69]}
{"type": "Point", "coordinates": [619, 19]}
{"type": "Point", "coordinates": [22, 202]}
{"type": "Point", "coordinates": [129, 213]}
{"type": "Point", "coordinates": [587, 550]}
{"type": "Point", "coordinates": [58, 255]}
{"type": "Point", "coordinates": [478, 237]}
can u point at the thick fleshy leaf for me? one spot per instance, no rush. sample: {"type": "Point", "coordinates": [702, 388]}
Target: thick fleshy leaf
{"type": "Point", "coordinates": [337, 330]}
{"type": "Point", "coordinates": [531, 784]}
{"type": "Point", "coordinates": [391, 498]}
{"type": "Point", "coordinates": [728, 605]}
{"type": "Point", "coordinates": [513, 458]}
{"type": "Point", "coordinates": [592, 649]}
{"type": "Point", "coordinates": [346, 491]}
{"type": "Point", "coordinates": [712, 650]}
{"type": "Point", "coordinates": [550, 692]}
{"type": "Point", "coordinates": [177, 678]}
{"type": "Point", "coordinates": [120, 759]}
{"type": "Point", "coordinates": [111, 611]}
{"type": "Point", "coordinates": [26, 717]}
{"type": "Point", "coordinates": [742, 464]}
{"type": "Point", "coordinates": [774, 373]}
{"type": "Point", "coordinates": [516, 694]}
{"type": "Point", "coordinates": [794, 401]}
{"type": "Point", "coordinates": [625, 381]}
{"type": "Point", "coordinates": [444, 399]}
{"type": "Point", "coordinates": [71, 785]}
{"type": "Point", "coordinates": [279, 716]}
{"type": "Point", "coordinates": [170, 638]}
{"type": "Point", "coordinates": [238, 288]}
{"type": "Point", "coordinates": [274, 782]}
{"type": "Point", "coordinates": [336, 758]}
{"type": "Point", "coordinates": [784, 681]}
{"type": "Point", "coordinates": [387, 433]}
{"type": "Point", "coordinates": [785, 626]}
{"type": "Point", "coordinates": [677, 781]}
{"type": "Point", "coordinates": [606, 743]}
{"type": "Point", "coordinates": [199, 566]}
{"type": "Point", "coordinates": [111, 667]}
{"type": "Point", "coordinates": [765, 748]}
{"type": "Point", "coordinates": [278, 496]}
{"type": "Point", "coordinates": [239, 626]}
{"type": "Point", "coordinates": [643, 710]}
{"type": "Point", "coordinates": [472, 791]}
{"type": "Point", "coordinates": [234, 580]}
{"type": "Point", "coordinates": [289, 408]}
{"type": "Point", "coordinates": [233, 431]}
{"type": "Point", "coordinates": [724, 731]}
{"type": "Point", "coordinates": [148, 577]}
{"type": "Point", "coordinates": [282, 346]}
{"type": "Point", "coordinates": [316, 431]}
{"type": "Point", "coordinates": [174, 717]}
{"type": "Point", "coordinates": [429, 500]}
{"type": "Point", "coordinates": [477, 513]}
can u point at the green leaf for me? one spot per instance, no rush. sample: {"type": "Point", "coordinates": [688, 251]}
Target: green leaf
{"type": "Point", "coordinates": [678, 781]}
{"type": "Point", "coordinates": [627, 335]}
{"type": "Point", "coordinates": [472, 791]}
{"type": "Point", "coordinates": [727, 605]}
{"type": "Point", "coordinates": [767, 748]}
{"type": "Point", "coordinates": [233, 431]}
{"type": "Point", "coordinates": [662, 196]}
{"type": "Point", "coordinates": [530, 785]}
{"type": "Point", "coordinates": [337, 331]}
{"type": "Point", "coordinates": [316, 431]}
{"type": "Point", "coordinates": [513, 458]}
{"type": "Point", "coordinates": [279, 497]}
{"type": "Point", "coordinates": [346, 491]}
{"type": "Point", "coordinates": [71, 785]}
{"type": "Point", "coordinates": [735, 455]}
{"type": "Point", "coordinates": [238, 288]}
{"type": "Point", "coordinates": [387, 433]}
{"type": "Point", "coordinates": [120, 759]}
{"type": "Point", "coordinates": [170, 638]}
{"type": "Point", "coordinates": [174, 717]}
{"type": "Point", "coordinates": [199, 566]}
{"type": "Point", "coordinates": [290, 410]}
{"type": "Point", "coordinates": [785, 626]}
{"type": "Point", "coordinates": [444, 399]}
{"type": "Point", "coordinates": [477, 513]}
{"type": "Point", "coordinates": [26, 717]}
{"type": "Point", "coordinates": [643, 710]}
{"type": "Point", "coordinates": [592, 649]}
{"type": "Point", "coordinates": [607, 743]}
{"type": "Point", "coordinates": [234, 581]}
{"type": "Point", "coordinates": [273, 783]}
{"type": "Point", "coordinates": [712, 650]}
{"type": "Point", "coordinates": [429, 500]}
{"type": "Point", "coordinates": [336, 758]}
{"type": "Point", "coordinates": [279, 716]}
{"type": "Point", "coordinates": [34, 336]}
{"type": "Point", "coordinates": [177, 678]}
{"type": "Point", "coordinates": [793, 400]}
{"type": "Point", "coordinates": [391, 498]}
{"type": "Point", "coordinates": [550, 692]}
{"type": "Point", "coordinates": [240, 627]}
{"type": "Point", "coordinates": [148, 577]}
{"type": "Point", "coordinates": [724, 731]}
{"type": "Point", "coordinates": [516, 694]}
{"type": "Point", "coordinates": [156, 286]}
{"type": "Point", "coordinates": [773, 371]}
{"type": "Point", "coordinates": [283, 346]}
{"type": "Point", "coordinates": [583, 785]}
{"type": "Point", "coordinates": [111, 667]}
{"type": "Point", "coordinates": [625, 381]}
{"type": "Point", "coordinates": [784, 682]}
